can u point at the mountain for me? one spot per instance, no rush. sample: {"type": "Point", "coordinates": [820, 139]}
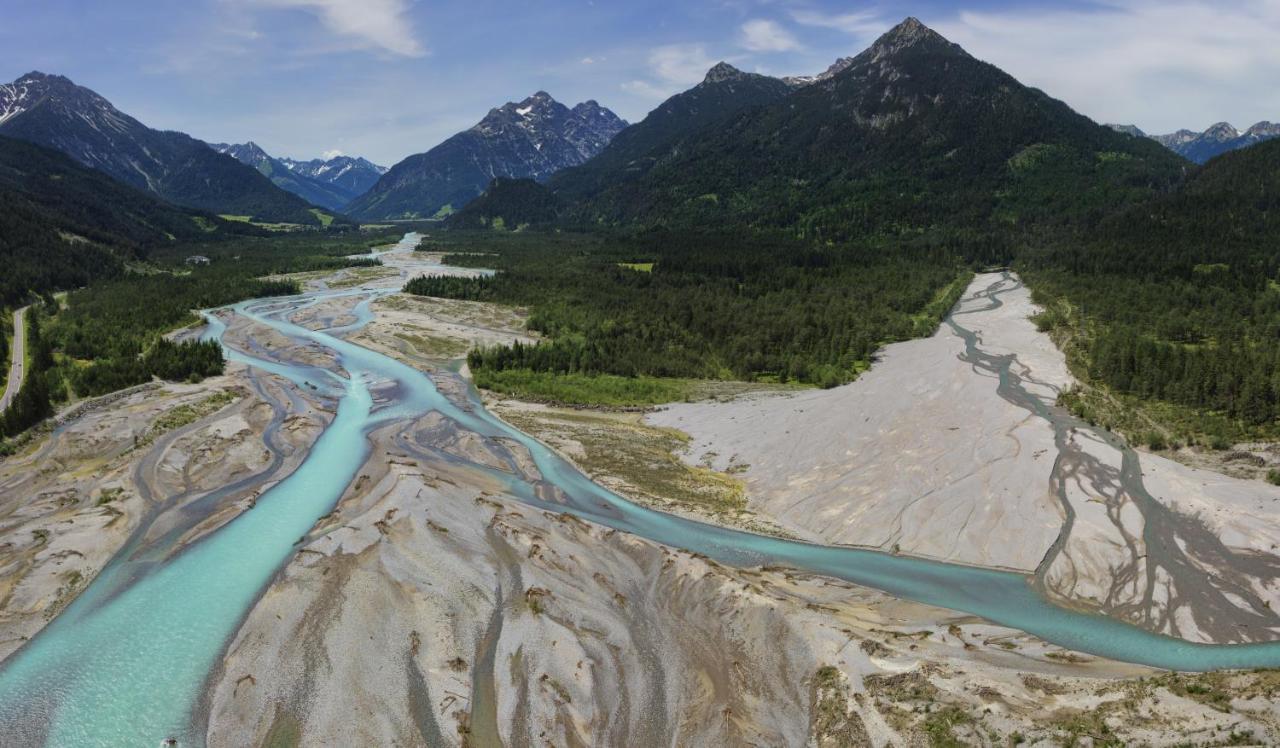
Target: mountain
{"type": "Point", "coordinates": [724, 92]}
{"type": "Point", "coordinates": [511, 204]}
{"type": "Point", "coordinates": [1130, 130]}
{"type": "Point", "coordinates": [349, 175]}
{"type": "Point", "coordinates": [1218, 139]}
{"type": "Point", "coordinates": [313, 191]}
{"type": "Point", "coordinates": [62, 224]}
{"type": "Point", "coordinates": [836, 67]}
{"type": "Point", "coordinates": [52, 111]}
{"type": "Point", "coordinates": [1202, 146]}
{"type": "Point", "coordinates": [533, 138]}
{"type": "Point", "coordinates": [914, 134]}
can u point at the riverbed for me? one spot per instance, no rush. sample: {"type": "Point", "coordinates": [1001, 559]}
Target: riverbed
{"type": "Point", "coordinates": [139, 655]}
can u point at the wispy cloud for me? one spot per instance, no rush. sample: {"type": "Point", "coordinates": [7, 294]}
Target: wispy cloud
{"type": "Point", "coordinates": [1161, 65]}
{"type": "Point", "coordinates": [680, 63]}
{"type": "Point", "coordinates": [859, 23]}
{"type": "Point", "coordinates": [380, 24]}
{"type": "Point", "coordinates": [672, 67]}
{"type": "Point", "coordinates": [647, 89]}
{"type": "Point", "coordinates": [760, 35]}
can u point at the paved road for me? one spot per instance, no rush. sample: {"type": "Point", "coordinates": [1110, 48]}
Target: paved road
{"type": "Point", "coordinates": [16, 368]}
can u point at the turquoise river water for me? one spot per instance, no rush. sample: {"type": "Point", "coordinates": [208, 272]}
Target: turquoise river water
{"type": "Point", "coordinates": [127, 662]}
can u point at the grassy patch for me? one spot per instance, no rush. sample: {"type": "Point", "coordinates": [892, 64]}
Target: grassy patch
{"type": "Point", "coordinates": [640, 460]}
{"type": "Point", "coordinates": [285, 731]}
{"type": "Point", "coordinates": [324, 218]}
{"type": "Point", "coordinates": [435, 346]}
{"type": "Point", "coordinates": [639, 267]}
{"type": "Point", "coordinates": [834, 724]}
{"type": "Point", "coordinates": [109, 495]}
{"type": "Point", "coordinates": [359, 276]}
{"type": "Point", "coordinates": [926, 320]}
{"type": "Point", "coordinates": [939, 727]}
{"type": "Point", "coordinates": [239, 219]}
{"type": "Point", "coordinates": [184, 415]}
{"type": "Point", "coordinates": [585, 389]}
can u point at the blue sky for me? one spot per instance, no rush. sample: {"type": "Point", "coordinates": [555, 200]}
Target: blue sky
{"type": "Point", "coordinates": [386, 78]}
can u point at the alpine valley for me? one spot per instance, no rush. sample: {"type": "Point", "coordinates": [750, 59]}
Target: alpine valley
{"type": "Point", "coordinates": [898, 404]}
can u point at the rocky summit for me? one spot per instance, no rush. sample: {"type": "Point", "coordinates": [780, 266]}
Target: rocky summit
{"type": "Point", "coordinates": [533, 138]}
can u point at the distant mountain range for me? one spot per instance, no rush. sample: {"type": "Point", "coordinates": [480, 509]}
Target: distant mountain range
{"type": "Point", "coordinates": [910, 134]}
{"type": "Point", "coordinates": [1202, 146]}
{"type": "Point", "coordinates": [533, 138]}
{"type": "Point", "coordinates": [52, 111]}
{"type": "Point", "coordinates": [350, 174]}
{"type": "Point", "coordinates": [330, 184]}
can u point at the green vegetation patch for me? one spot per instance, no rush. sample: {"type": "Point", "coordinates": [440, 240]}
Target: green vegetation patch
{"type": "Point", "coordinates": [360, 276]}
{"type": "Point", "coordinates": [110, 334]}
{"type": "Point", "coordinates": [833, 723]}
{"type": "Point", "coordinates": [324, 218]}
{"type": "Point", "coordinates": [619, 447]}
{"type": "Point", "coordinates": [185, 415]}
{"type": "Point", "coordinates": [434, 346]}
{"type": "Point", "coordinates": [640, 267]}
{"type": "Point", "coordinates": [761, 309]}
{"type": "Point", "coordinates": [585, 389]}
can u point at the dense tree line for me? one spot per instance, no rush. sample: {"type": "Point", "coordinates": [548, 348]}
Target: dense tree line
{"type": "Point", "coordinates": [63, 224]}
{"type": "Point", "coordinates": [1179, 300]}
{"type": "Point", "coordinates": [110, 335]}
{"type": "Point", "coordinates": [707, 306]}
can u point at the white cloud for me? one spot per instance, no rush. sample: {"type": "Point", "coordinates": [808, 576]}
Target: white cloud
{"type": "Point", "coordinates": [1160, 65]}
{"type": "Point", "coordinates": [673, 68]}
{"type": "Point", "coordinates": [381, 24]}
{"type": "Point", "coordinates": [645, 89]}
{"type": "Point", "coordinates": [680, 63]}
{"type": "Point", "coordinates": [331, 154]}
{"type": "Point", "coordinates": [759, 35]}
{"type": "Point", "coordinates": [859, 23]}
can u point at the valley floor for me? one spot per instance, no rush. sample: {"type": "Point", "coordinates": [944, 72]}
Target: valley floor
{"type": "Point", "coordinates": [959, 454]}
{"type": "Point", "coordinates": [432, 608]}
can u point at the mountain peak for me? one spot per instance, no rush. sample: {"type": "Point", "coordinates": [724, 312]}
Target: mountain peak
{"type": "Point", "coordinates": [834, 69]}
{"type": "Point", "coordinates": [911, 34]}
{"type": "Point", "coordinates": [722, 71]}
{"type": "Point", "coordinates": [1263, 129]}
{"type": "Point", "coordinates": [1127, 130]}
{"type": "Point", "coordinates": [1222, 131]}
{"type": "Point", "coordinates": [36, 75]}
{"type": "Point", "coordinates": [539, 98]}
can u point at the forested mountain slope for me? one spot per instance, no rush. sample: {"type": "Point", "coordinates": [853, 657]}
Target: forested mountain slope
{"type": "Point", "coordinates": [1178, 299]}
{"type": "Point", "coordinates": [52, 111]}
{"type": "Point", "coordinates": [62, 224]}
{"type": "Point", "coordinates": [509, 203]}
{"type": "Point", "coordinates": [914, 134]}
{"type": "Point", "coordinates": [724, 92]}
